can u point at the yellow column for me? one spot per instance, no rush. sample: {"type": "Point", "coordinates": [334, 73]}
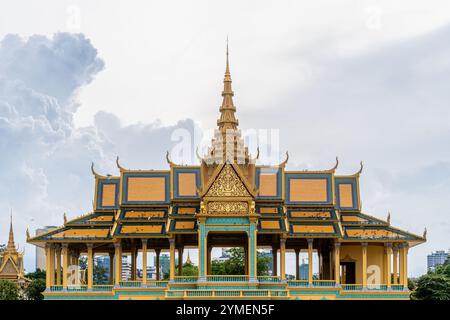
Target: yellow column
{"type": "Point", "coordinates": [395, 265]}
{"type": "Point", "coordinates": [47, 265]}
{"type": "Point", "coordinates": [364, 264]}
{"type": "Point", "coordinates": [283, 259]}
{"type": "Point", "coordinates": [180, 261]}
{"type": "Point", "coordinates": [144, 261]}
{"type": "Point", "coordinates": [388, 251]}
{"type": "Point", "coordinates": [51, 266]}
{"type": "Point", "coordinates": [337, 262]}
{"type": "Point", "coordinates": [172, 259]}
{"type": "Point", "coordinates": [58, 265]}
{"type": "Point", "coordinates": [118, 263]}
{"type": "Point", "coordinates": [401, 262]}
{"type": "Point", "coordinates": [157, 252]}
{"type": "Point", "coordinates": [297, 264]}
{"type": "Point", "coordinates": [90, 266]}
{"type": "Point", "coordinates": [405, 266]}
{"type": "Point", "coordinates": [274, 261]}
{"type": "Point", "coordinates": [65, 263]}
{"type": "Point", "coordinates": [310, 261]}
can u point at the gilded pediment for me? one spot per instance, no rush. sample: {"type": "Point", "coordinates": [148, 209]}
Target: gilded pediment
{"type": "Point", "coordinates": [9, 268]}
{"type": "Point", "coordinates": [228, 184]}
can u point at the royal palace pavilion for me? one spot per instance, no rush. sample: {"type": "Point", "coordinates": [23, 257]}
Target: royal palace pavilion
{"type": "Point", "coordinates": [228, 200]}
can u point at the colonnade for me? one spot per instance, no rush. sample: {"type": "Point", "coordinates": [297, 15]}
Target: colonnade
{"type": "Point", "coordinates": [59, 257]}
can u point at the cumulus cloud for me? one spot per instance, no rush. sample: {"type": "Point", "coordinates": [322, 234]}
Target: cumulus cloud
{"type": "Point", "coordinates": [39, 78]}
{"type": "Point", "coordinates": [45, 158]}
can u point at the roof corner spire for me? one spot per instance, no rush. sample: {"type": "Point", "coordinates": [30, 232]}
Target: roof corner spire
{"type": "Point", "coordinates": [11, 245]}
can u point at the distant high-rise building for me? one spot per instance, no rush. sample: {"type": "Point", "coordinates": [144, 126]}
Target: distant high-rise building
{"type": "Point", "coordinates": [40, 252]}
{"type": "Point", "coordinates": [436, 258]}
{"type": "Point", "coordinates": [164, 263]}
{"type": "Point", "coordinates": [151, 273]}
{"type": "Point", "coordinates": [126, 269]}
{"type": "Point", "coordinates": [304, 270]}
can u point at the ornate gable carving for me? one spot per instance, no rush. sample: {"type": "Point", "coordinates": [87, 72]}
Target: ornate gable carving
{"type": "Point", "coordinates": [8, 268]}
{"type": "Point", "coordinates": [227, 184]}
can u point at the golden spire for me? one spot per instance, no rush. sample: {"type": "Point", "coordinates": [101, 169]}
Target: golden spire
{"type": "Point", "coordinates": [11, 245]}
{"type": "Point", "coordinates": [227, 119]}
{"type": "Point", "coordinates": [188, 260]}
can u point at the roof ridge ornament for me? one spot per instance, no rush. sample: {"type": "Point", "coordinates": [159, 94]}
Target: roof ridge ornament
{"type": "Point", "coordinates": [357, 174]}
{"type": "Point", "coordinates": [283, 164]}
{"type": "Point", "coordinates": [119, 166]}
{"type": "Point", "coordinates": [336, 165]}
{"type": "Point", "coordinates": [97, 175]}
{"type": "Point", "coordinates": [168, 158]}
{"type": "Point", "coordinates": [424, 235]}
{"type": "Point", "coordinates": [388, 220]}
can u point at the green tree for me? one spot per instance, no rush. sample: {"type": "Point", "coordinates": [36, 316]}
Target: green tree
{"type": "Point", "coordinates": [263, 264]}
{"type": "Point", "coordinates": [235, 264]}
{"type": "Point", "coordinates": [2, 248]}
{"type": "Point", "coordinates": [100, 274]}
{"type": "Point", "coordinates": [8, 290]}
{"type": "Point", "coordinates": [435, 285]}
{"type": "Point", "coordinates": [35, 289]}
{"type": "Point", "coordinates": [38, 274]}
{"type": "Point", "coordinates": [189, 270]}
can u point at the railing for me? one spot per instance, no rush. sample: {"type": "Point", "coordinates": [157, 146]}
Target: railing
{"type": "Point", "coordinates": [77, 288]}
{"type": "Point", "coordinates": [184, 279]}
{"type": "Point", "coordinates": [230, 278]}
{"type": "Point", "coordinates": [226, 293]}
{"type": "Point", "coordinates": [177, 293]}
{"type": "Point", "coordinates": [324, 283]}
{"type": "Point", "coordinates": [130, 284]}
{"type": "Point", "coordinates": [352, 287]}
{"type": "Point", "coordinates": [298, 283]}
{"type": "Point", "coordinates": [102, 288]}
{"type": "Point", "coordinates": [269, 279]}
{"type": "Point", "coordinates": [157, 284]}
{"type": "Point", "coordinates": [397, 287]}
{"type": "Point", "coordinates": [377, 287]}
{"type": "Point", "coordinates": [56, 288]}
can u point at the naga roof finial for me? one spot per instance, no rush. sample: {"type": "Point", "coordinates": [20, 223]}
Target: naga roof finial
{"type": "Point", "coordinates": [94, 172]}
{"type": "Point", "coordinates": [424, 234]}
{"type": "Point", "coordinates": [65, 218]}
{"type": "Point", "coordinates": [118, 165]}
{"type": "Point", "coordinates": [336, 165]}
{"type": "Point", "coordinates": [285, 160]}
{"type": "Point", "coordinates": [168, 158]}
{"type": "Point", "coordinates": [388, 218]}
{"type": "Point", "coordinates": [357, 174]}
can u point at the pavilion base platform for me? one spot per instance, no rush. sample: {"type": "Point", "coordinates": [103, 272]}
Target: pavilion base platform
{"type": "Point", "coordinates": [229, 287]}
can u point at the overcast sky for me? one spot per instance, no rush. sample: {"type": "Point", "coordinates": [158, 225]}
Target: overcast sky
{"type": "Point", "coordinates": [84, 81]}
